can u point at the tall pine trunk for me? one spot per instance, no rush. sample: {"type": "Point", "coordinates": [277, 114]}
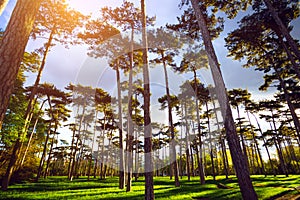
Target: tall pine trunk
{"type": "Point", "coordinates": [129, 118]}
{"type": "Point", "coordinates": [31, 134]}
{"type": "Point", "coordinates": [12, 47]}
{"type": "Point", "coordinates": [187, 144]}
{"type": "Point", "coordinates": [171, 125]}
{"type": "Point", "coordinates": [149, 189]}
{"type": "Point", "coordinates": [200, 161]}
{"type": "Point", "coordinates": [238, 159]}
{"type": "Point", "coordinates": [120, 125]}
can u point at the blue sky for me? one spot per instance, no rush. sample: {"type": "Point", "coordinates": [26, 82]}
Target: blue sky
{"type": "Point", "coordinates": [63, 64]}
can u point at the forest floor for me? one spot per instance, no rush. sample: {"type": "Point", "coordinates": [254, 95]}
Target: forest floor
{"type": "Point", "coordinates": [270, 187]}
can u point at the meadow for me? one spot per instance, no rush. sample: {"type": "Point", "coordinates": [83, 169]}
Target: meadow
{"type": "Point", "coordinates": [270, 187]}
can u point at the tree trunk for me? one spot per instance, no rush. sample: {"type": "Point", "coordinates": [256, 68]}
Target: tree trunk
{"type": "Point", "coordinates": [40, 169]}
{"type": "Point", "coordinates": [222, 141]}
{"type": "Point", "coordinates": [289, 102]}
{"type": "Point", "coordinates": [71, 152]}
{"type": "Point", "coordinates": [264, 144]}
{"type": "Point", "coordinates": [50, 152]}
{"type": "Point", "coordinates": [278, 147]}
{"type": "Point", "coordinates": [238, 159]}
{"type": "Point", "coordinates": [137, 148]}
{"type": "Point", "coordinates": [224, 155]}
{"type": "Point", "coordinates": [77, 143]}
{"type": "Point", "coordinates": [242, 136]}
{"type": "Point", "coordinates": [149, 189]}
{"type": "Point", "coordinates": [200, 163]}
{"type": "Point", "coordinates": [129, 118]}
{"type": "Point", "coordinates": [31, 134]}
{"type": "Point", "coordinates": [187, 144]}
{"type": "Point", "coordinates": [256, 146]}
{"type": "Point", "coordinates": [120, 127]}
{"type": "Point", "coordinates": [290, 56]}
{"type": "Point", "coordinates": [3, 4]}
{"type": "Point", "coordinates": [210, 143]}
{"type": "Point", "coordinates": [282, 28]}
{"type": "Point", "coordinates": [171, 125]}
{"type": "Point", "coordinates": [12, 47]}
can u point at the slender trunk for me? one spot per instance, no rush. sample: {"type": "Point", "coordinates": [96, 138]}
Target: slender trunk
{"type": "Point", "coordinates": [95, 167]}
{"type": "Point", "coordinates": [283, 29]}
{"type": "Point", "coordinates": [187, 144]}
{"type": "Point", "coordinates": [50, 152]}
{"type": "Point", "coordinates": [39, 173]}
{"type": "Point", "coordinates": [278, 147]}
{"type": "Point", "coordinates": [290, 56]}
{"type": "Point", "coordinates": [37, 82]}
{"type": "Point", "coordinates": [93, 143]}
{"type": "Point", "coordinates": [200, 163]}
{"type": "Point", "coordinates": [137, 148]}
{"type": "Point", "coordinates": [280, 155]}
{"type": "Point", "coordinates": [180, 145]}
{"type": "Point", "coordinates": [222, 141]}
{"type": "Point", "coordinates": [32, 132]}
{"type": "Point", "coordinates": [77, 143]}
{"type": "Point", "coordinates": [293, 154]}
{"type": "Point", "coordinates": [149, 189]}
{"type": "Point", "coordinates": [171, 125]}
{"type": "Point", "coordinates": [210, 143]}
{"type": "Point", "coordinates": [256, 146]}
{"type": "Point", "coordinates": [242, 135]}
{"type": "Point", "coordinates": [120, 125]}
{"type": "Point", "coordinates": [71, 152]}
{"type": "Point", "coordinates": [129, 118]}
{"type": "Point", "coordinates": [264, 144]}
{"type": "Point", "coordinates": [224, 155]}
{"type": "Point", "coordinates": [240, 163]}
{"type": "Point", "coordinates": [102, 148]}
{"type": "Point", "coordinates": [289, 102]}
{"type": "Point", "coordinates": [192, 159]}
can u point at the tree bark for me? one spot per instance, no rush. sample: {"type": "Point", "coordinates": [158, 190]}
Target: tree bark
{"type": "Point", "coordinates": [238, 159]}
{"type": "Point", "coordinates": [149, 189]}
{"type": "Point", "coordinates": [12, 47]}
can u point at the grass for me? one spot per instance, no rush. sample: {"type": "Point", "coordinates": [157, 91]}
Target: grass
{"type": "Point", "coordinates": [61, 188]}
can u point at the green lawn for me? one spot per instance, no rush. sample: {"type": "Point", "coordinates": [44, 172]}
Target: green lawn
{"type": "Point", "coordinates": [61, 188]}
